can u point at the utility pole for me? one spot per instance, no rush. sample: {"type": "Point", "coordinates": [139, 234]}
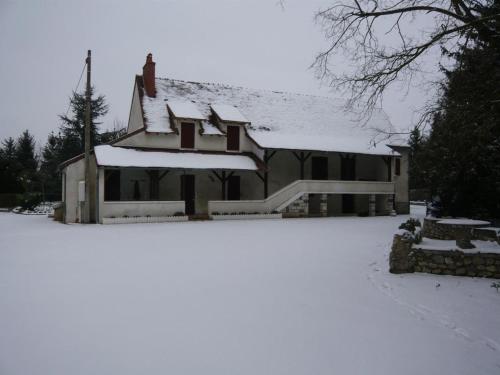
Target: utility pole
{"type": "Point", "coordinates": [86, 209]}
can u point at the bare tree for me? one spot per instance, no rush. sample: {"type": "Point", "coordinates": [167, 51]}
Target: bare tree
{"type": "Point", "coordinates": [377, 37]}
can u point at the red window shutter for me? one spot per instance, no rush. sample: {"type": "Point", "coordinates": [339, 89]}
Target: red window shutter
{"type": "Point", "coordinates": [233, 138]}
{"type": "Point", "coordinates": [187, 135]}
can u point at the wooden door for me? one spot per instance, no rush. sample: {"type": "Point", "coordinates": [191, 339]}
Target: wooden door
{"type": "Point", "coordinates": [188, 193]}
{"type": "Point", "coordinates": [233, 138]}
{"type": "Point", "coordinates": [233, 188]}
{"type": "Point", "coordinates": [319, 168]}
{"type": "Point", "coordinates": [187, 135]}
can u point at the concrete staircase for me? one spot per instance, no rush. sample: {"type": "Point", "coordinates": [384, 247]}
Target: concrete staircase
{"type": "Point", "coordinates": [283, 197]}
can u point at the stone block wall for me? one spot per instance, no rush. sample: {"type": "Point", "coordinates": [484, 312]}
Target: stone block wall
{"type": "Point", "coordinates": [299, 207]}
{"type": "Point", "coordinates": [432, 229]}
{"type": "Point", "coordinates": [456, 263]}
{"type": "Point", "coordinates": [406, 257]}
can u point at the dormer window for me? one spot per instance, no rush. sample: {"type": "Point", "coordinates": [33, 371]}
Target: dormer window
{"type": "Point", "coordinates": [187, 135]}
{"type": "Point", "coordinates": [233, 138]}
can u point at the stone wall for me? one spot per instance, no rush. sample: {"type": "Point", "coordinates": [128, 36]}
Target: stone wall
{"type": "Point", "coordinates": [298, 208]}
{"type": "Point", "coordinates": [432, 229]}
{"type": "Point", "coordinates": [455, 263]}
{"type": "Point", "coordinates": [405, 257]}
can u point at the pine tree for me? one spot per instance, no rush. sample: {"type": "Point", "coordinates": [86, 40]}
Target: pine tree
{"type": "Point", "coordinates": [49, 173]}
{"type": "Point", "coordinates": [9, 167]}
{"type": "Point", "coordinates": [416, 171]}
{"type": "Point", "coordinates": [462, 154]}
{"type": "Point", "coordinates": [73, 127]}
{"type": "Point", "coordinates": [69, 142]}
{"type": "Point", "coordinates": [28, 164]}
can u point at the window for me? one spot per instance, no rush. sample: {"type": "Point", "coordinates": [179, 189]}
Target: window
{"type": "Point", "coordinates": [233, 138]}
{"type": "Point", "coordinates": [398, 167]}
{"type": "Point", "coordinates": [187, 135]}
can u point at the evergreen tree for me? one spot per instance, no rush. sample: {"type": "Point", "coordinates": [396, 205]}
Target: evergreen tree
{"type": "Point", "coordinates": [26, 158]}
{"type": "Point", "coordinates": [70, 141]}
{"type": "Point", "coordinates": [462, 154]}
{"type": "Point", "coordinates": [73, 127]}
{"type": "Point", "coordinates": [49, 174]}
{"type": "Point", "coordinates": [9, 167]}
{"type": "Point", "coordinates": [416, 172]}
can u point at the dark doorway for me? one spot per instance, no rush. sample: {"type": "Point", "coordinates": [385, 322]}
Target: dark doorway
{"type": "Point", "coordinates": [347, 203]}
{"type": "Point", "coordinates": [348, 168]}
{"type": "Point", "coordinates": [233, 188]}
{"type": "Point", "coordinates": [348, 173]}
{"type": "Point", "coordinates": [187, 193]}
{"type": "Point", "coordinates": [319, 169]}
{"type": "Point", "coordinates": [111, 185]}
{"type": "Point", "coordinates": [154, 185]}
{"type": "Point", "coordinates": [187, 135]}
{"type": "Point", "coordinates": [233, 138]}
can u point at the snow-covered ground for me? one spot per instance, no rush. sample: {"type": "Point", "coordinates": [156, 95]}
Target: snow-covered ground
{"type": "Point", "coordinates": [277, 297]}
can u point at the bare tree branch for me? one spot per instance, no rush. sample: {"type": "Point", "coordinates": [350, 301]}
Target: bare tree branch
{"type": "Point", "coordinates": [353, 28]}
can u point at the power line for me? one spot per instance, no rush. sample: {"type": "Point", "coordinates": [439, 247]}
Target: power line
{"type": "Point", "coordinates": [77, 85]}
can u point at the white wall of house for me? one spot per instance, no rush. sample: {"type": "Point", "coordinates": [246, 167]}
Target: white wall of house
{"type": "Point", "coordinates": [135, 120]}
{"type": "Point", "coordinates": [202, 142]}
{"type": "Point", "coordinates": [402, 198]}
{"type": "Point", "coordinates": [73, 174]}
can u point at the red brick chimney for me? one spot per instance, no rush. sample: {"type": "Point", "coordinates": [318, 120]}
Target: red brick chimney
{"type": "Point", "coordinates": [148, 76]}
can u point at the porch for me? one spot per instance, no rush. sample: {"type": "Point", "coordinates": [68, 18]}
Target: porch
{"type": "Point", "coordinates": [156, 184]}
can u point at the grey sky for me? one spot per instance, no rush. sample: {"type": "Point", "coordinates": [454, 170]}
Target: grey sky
{"type": "Point", "coordinates": [252, 43]}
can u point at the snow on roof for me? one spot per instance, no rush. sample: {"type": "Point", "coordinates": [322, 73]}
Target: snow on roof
{"type": "Point", "coordinates": [156, 115]}
{"type": "Point", "coordinates": [111, 156]}
{"type": "Point", "coordinates": [228, 112]}
{"type": "Point", "coordinates": [210, 129]}
{"type": "Point", "coordinates": [184, 109]}
{"type": "Point", "coordinates": [279, 119]}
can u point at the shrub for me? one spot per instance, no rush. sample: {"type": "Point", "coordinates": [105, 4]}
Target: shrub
{"type": "Point", "coordinates": [30, 201]}
{"type": "Point", "coordinates": [410, 225]}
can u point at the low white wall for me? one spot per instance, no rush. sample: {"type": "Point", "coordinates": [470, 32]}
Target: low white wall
{"type": "Point", "coordinates": [142, 208]}
{"type": "Point", "coordinates": [289, 193]}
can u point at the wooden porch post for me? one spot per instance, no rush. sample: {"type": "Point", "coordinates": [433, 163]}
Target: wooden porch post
{"type": "Point", "coordinates": [267, 158]}
{"type": "Point", "coordinates": [302, 158]}
{"type": "Point", "coordinates": [223, 183]}
{"type": "Point", "coordinates": [223, 179]}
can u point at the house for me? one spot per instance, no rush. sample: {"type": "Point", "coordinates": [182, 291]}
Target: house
{"type": "Point", "coordinates": [202, 149]}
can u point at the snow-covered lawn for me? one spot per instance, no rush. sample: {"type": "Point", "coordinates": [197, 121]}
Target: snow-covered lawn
{"type": "Point", "coordinates": [277, 297]}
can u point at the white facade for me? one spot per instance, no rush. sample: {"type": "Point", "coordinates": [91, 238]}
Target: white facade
{"type": "Point", "coordinates": [155, 190]}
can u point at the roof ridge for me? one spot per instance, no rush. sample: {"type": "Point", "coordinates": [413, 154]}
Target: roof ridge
{"type": "Point", "coordinates": [225, 85]}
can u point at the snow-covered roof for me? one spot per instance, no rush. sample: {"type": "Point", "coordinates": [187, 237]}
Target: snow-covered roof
{"type": "Point", "coordinates": [228, 112]}
{"type": "Point", "coordinates": [210, 129]}
{"type": "Point", "coordinates": [277, 119]}
{"type": "Point", "coordinates": [111, 156]}
{"type": "Point", "coordinates": [184, 109]}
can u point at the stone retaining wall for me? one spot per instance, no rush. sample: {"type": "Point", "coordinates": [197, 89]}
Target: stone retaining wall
{"type": "Point", "coordinates": [455, 263]}
{"type": "Point", "coordinates": [405, 257]}
{"type": "Point", "coordinates": [299, 207]}
{"type": "Point", "coordinates": [432, 229]}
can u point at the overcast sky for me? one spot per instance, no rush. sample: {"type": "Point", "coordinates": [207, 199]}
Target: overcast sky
{"type": "Point", "coordinates": [251, 43]}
